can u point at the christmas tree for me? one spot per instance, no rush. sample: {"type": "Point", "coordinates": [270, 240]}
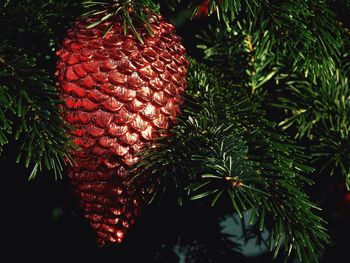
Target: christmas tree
{"type": "Point", "coordinates": [175, 130]}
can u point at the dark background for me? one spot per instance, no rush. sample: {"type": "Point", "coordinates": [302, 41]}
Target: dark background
{"type": "Point", "coordinates": [43, 222]}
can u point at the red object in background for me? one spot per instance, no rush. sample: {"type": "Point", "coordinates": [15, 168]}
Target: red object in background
{"type": "Point", "coordinates": [118, 95]}
{"type": "Point", "coordinates": [344, 209]}
{"type": "Point", "coordinates": [347, 198]}
{"type": "Point", "coordinates": [203, 10]}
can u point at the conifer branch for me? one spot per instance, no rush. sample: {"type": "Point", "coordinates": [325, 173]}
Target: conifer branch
{"type": "Point", "coordinates": [234, 151]}
{"type": "Point", "coordinates": [320, 111]}
{"type": "Point", "coordinates": [29, 109]}
{"type": "Point", "coordinates": [289, 32]}
{"type": "Point", "coordinates": [131, 13]}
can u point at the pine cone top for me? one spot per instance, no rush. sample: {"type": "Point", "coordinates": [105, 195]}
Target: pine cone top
{"type": "Point", "coordinates": [118, 95]}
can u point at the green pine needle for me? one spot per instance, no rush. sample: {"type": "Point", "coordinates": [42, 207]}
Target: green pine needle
{"type": "Point", "coordinates": [30, 99]}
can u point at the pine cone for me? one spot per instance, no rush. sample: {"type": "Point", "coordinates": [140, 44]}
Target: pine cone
{"type": "Point", "coordinates": [119, 94]}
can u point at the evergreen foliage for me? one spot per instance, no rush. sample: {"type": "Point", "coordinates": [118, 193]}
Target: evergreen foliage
{"type": "Point", "coordinates": [129, 12]}
{"type": "Point", "coordinates": [268, 107]}
{"type": "Point", "coordinates": [30, 111]}
{"type": "Point", "coordinates": [224, 146]}
{"type": "Point", "coordinates": [29, 100]}
{"type": "Point", "coordinates": [308, 83]}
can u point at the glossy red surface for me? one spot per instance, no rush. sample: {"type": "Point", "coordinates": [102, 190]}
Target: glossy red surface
{"type": "Point", "coordinates": [118, 93]}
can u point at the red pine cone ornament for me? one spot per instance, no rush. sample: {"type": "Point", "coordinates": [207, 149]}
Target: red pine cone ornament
{"type": "Point", "coordinates": [119, 95]}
